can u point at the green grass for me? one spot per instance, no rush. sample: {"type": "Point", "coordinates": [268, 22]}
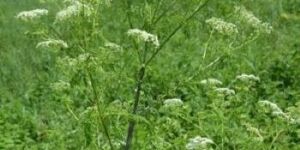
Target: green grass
{"type": "Point", "coordinates": [93, 107]}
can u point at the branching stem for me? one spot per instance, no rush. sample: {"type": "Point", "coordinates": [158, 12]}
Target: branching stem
{"type": "Point", "coordinates": [142, 70]}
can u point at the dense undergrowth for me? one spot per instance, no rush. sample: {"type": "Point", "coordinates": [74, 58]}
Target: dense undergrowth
{"type": "Point", "coordinates": [203, 74]}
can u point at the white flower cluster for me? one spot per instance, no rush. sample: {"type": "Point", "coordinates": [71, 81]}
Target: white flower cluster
{"type": "Point", "coordinates": [113, 46]}
{"type": "Point", "coordinates": [198, 142]}
{"type": "Point", "coordinates": [174, 102]}
{"type": "Point", "coordinates": [275, 110]}
{"type": "Point", "coordinates": [246, 77]}
{"type": "Point", "coordinates": [73, 62]}
{"type": "Point", "coordinates": [214, 83]}
{"type": "Point", "coordinates": [254, 131]}
{"type": "Point", "coordinates": [221, 26]}
{"type": "Point", "coordinates": [73, 10]}
{"type": "Point", "coordinates": [225, 91]}
{"type": "Point", "coordinates": [60, 85]}
{"type": "Point", "coordinates": [32, 14]}
{"type": "Point", "coordinates": [252, 20]}
{"type": "Point", "coordinates": [144, 36]}
{"type": "Point", "coordinates": [52, 43]}
{"type": "Point", "coordinates": [211, 81]}
{"type": "Point", "coordinates": [67, 61]}
{"type": "Point", "coordinates": [83, 57]}
{"type": "Point", "coordinates": [294, 111]}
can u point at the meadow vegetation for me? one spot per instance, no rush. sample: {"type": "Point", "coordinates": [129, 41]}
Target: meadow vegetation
{"type": "Point", "coordinates": [150, 74]}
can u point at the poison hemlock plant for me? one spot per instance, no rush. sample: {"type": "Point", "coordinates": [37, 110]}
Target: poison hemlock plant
{"type": "Point", "coordinates": [157, 75]}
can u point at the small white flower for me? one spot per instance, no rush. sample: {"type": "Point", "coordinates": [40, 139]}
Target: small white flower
{"type": "Point", "coordinates": [294, 121]}
{"type": "Point", "coordinates": [246, 77]}
{"type": "Point", "coordinates": [225, 91]}
{"type": "Point", "coordinates": [211, 81]}
{"type": "Point", "coordinates": [198, 142]}
{"type": "Point", "coordinates": [221, 26]}
{"type": "Point", "coordinates": [113, 46]}
{"type": "Point", "coordinates": [173, 102]}
{"type": "Point", "coordinates": [252, 20]}
{"type": "Point", "coordinates": [73, 62]}
{"type": "Point", "coordinates": [67, 61]}
{"type": "Point", "coordinates": [73, 10]}
{"type": "Point", "coordinates": [248, 16]}
{"type": "Point", "coordinates": [32, 14]}
{"type": "Point", "coordinates": [83, 57]}
{"type": "Point", "coordinates": [275, 110]}
{"type": "Point", "coordinates": [254, 131]}
{"type": "Point", "coordinates": [144, 36]}
{"type": "Point", "coordinates": [294, 113]}
{"type": "Point", "coordinates": [60, 85]}
{"type": "Point", "coordinates": [52, 43]}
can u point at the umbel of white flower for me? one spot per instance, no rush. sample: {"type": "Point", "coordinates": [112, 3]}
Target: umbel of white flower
{"type": "Point", "coordinates": [252, 20]}
{"type": "Point", "coordinates": [211, 81]}
{"type": "Point", "coordinates": [52, 43]}
{"type": "Point", "coordinates": [73, 10]}
{"type": "Point", "coordinates": [225, 91]}
{"type": "Point", "coordinates": [198, 143]}
{"type": "Point", "coordinates": [144, 36]}
{"type": "Point", "coordinates": [32, 14]}
{"type": "Point", "coordinates": [275, 110]}
{"type": "Point", "coordinates": [225, 28]}
{"type": "Point", "coordinates": [74, 62]}
{"type": "Point", "coordinates": [113, 46]}
{"type": "Point", "coordinates": [246, 77]}
{"type": "Point", "coordinates": [174, 102]}
{"type": "Point", "coordinates": [60, 85]}
{"type": "Point", "coordinates": [255, 131]}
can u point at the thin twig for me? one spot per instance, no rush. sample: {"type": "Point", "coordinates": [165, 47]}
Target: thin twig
{"type": "Point", "coordinates": [129, 20]}
{"type": "Point", "coordinates": [175, 31]}
{"type": "Point", "coordinates": [275, 138]}
{"type": "Point", "coordinates": [96, 99]}
{"type": "Point", "coordinates": [98, 110]}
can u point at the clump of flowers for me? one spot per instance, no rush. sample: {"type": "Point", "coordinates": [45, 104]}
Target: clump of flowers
{"type": "Point", "coordinates": [225, 28]}
{"type": "Point", "coordinates": [276, 111]}
{"type": "Point", "coordinates": [52, 43]}
{"type": "Point", "coordinates": [113, 46]}
{"type": "Point", "coordinates": [73, 62]}
{"type": "Point", "coordinates": [294, 112]}
{"type": "Point", "coordinates": [73, 10]}
{"type": "Point", "coordinates": [199, 142]}
{"type": "Point", "coordinates": [273, 108]}
{"type": "Point", "coordinates": [60, 86]}
{"type": "Point", "coordinates": [252, 20]}
{"type": "Point", "coordinates": [247, 78]}
{"type": "Point", "coordinates": [174, 102]}
{"type": "Point", "coordinates": [67, 61]}
{"type": "Point", "coordinates": [144, 36]}
{"type": "Point", "coordinates": [83, 57]}
{"type": "Point", "coordinates": [254, 131]}
{"type": "Point", "coordinates": [225, 91]}
{"type": "Point", "coordinates": [211, 81]}
{"type": "Point", "coordinates": [32, 14]}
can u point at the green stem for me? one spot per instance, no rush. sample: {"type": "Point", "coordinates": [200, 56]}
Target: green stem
{"type": "Point", "coordinates": [207, 43]}
{"type": "Point", "coordinates": [142, 70]}
{"type": "Point", "coordinates": [98, 110]}
{"type": "Point", "coordinates": [132, 123]}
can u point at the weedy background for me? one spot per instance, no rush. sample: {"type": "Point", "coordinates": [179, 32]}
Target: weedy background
{"type": "Point", "coordinates": [47, 101]}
